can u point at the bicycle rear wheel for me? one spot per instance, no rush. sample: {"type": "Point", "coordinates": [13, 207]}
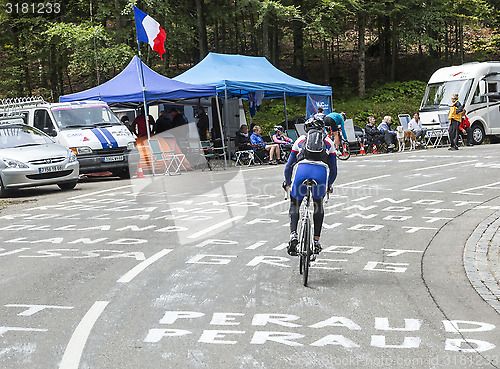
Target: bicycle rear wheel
{"type": "Point", "coordinates": [306, 254]}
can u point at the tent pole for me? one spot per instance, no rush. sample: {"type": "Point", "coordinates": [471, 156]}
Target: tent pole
{"type": "Point", "coordinates": [146, 118]}
{"type": "Point", "coordinates": [284, 103]}
{"type": "Point", "coordinates": [220, 126]}
{"type": "Point", "coordinates": [226, 114]}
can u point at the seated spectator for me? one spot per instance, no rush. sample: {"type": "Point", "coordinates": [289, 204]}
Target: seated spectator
{"type": "Point", "coordinates": [261, 147]}
{"type": "Point", "coordinates": [163, 122]}
{"type": "Point", "coordinates": [373, 135]}
{"type": "Point", "coordinates": [390, 136]}
{"type": "Point", "coordinates": [126, 122]}
{"type": "Point", "coordinates": [466, 129]}
{"type": "Point", "coordinates": [280, 138]}
{"type": "Point", "coordinates": [320, 115]}
{"type": "Point", "coordinates": [415, 126]}
{"type": "Point", "coordinates": [242, 139]}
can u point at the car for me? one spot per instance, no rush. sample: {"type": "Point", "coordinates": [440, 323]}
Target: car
{"type": "Point", "coordinates": [28, 157]}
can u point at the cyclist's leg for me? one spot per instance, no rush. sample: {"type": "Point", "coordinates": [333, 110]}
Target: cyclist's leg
{"type": "Point", "coordinates": [318, 216]}
{"type": "Point", "coordinates": [294, 213]}
{"type": "Point", "coordinates": [318, 193]}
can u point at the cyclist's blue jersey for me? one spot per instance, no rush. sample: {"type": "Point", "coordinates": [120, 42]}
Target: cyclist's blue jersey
{"type": "Point", "coordinates": [297, 172]}
{"type": "Point", "coordinates": [340, 122]}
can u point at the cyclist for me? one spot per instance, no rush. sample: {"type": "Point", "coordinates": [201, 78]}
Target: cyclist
{"type": "Point", "coordinates": [339, 121]}
{"type": "Point", "coordinates": [324, 173]}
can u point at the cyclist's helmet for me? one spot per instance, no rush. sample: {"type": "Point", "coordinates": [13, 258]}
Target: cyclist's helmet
{"type": "Point", "coordinates": [313, 123]}
{"type": "Point", "coordinates": [278, 128]}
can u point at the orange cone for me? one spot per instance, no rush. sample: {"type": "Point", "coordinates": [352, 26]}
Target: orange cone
{"type": "Point", "coordinates": [374, 149]}
{"type": "Point", "coordinates": [140, 174]}
{"type": "Point", "coordinates": [362, 149]}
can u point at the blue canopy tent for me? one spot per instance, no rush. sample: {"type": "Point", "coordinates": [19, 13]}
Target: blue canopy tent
{"type": "Point", "coordinates": [239, 75]}
{"type": "Point", "coordinates": [125, 90]}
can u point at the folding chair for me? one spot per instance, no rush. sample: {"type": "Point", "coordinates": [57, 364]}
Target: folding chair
{"type": "Point", "coordinates": [291, 133]}
{"type": "Point", "coordinates": [404, 119]}
{"type": "Point", "coordinates": [244, 157]}
{"type": "Point", "coordinates": [209, 153]}
{"type": "Point", "coordinates": [300, 129]}
{"type": "Point", "coordinates": [170, 159]}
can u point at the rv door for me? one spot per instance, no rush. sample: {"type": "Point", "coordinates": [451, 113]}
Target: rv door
{"type": "Point", "coordinates": [493, 115]}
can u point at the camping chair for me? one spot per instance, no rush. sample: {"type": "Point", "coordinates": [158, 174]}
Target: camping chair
{"type": "Point", "coordinates": [404, 119]}
{"type": "Point", "coordinates": [172, 162]}
{"type": "Point", "coordinates": [210, 154]}
{"type": "Point", "coordinates": [291, 133]}
{"type": "Point", "coordinates": [300, 129]}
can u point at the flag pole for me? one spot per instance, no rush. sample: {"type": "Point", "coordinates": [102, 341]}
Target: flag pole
{"type": "Point", "coordinates": [146, 117]}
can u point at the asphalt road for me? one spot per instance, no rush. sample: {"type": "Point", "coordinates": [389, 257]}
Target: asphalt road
{"type": "Point", "coordinates": [191, 271]}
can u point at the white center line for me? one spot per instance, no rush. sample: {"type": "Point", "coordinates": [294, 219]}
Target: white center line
{"type": "Point", "coordinates": [74, 350]}
{"type": "Point", "coordinates": [215, 226]}
{"type": "Point", "coordinates": [98, 192]}
{"type": "Point", "coordinates": [132, 273]}
{"type": "Point", "coordinates": [443, 165]}
{"type": "Point", "coordinates": [275, 204]}
{"type": "Point", "coordinates": [363, 180]}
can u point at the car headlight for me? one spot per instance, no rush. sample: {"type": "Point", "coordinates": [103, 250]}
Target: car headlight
{"type": "Point", "coordinates": [11, 163]}
{"type": "Point", "coordinates": [81, 150]}
{"type": "Point", "coordinates": [72, 157]}
{"type": "Point", "coordinates": [131, 146]}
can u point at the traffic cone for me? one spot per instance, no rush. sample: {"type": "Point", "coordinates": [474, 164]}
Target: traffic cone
{"type": "Point", "coordinates": [362, 150]}
{"type": "Point", "coordinates": [374, 149]}
{"type": "Point", "coordinates": [140, 174]}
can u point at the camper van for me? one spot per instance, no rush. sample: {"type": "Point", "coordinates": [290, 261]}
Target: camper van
{"type": "Point", "coordinates": [90, 129]}
{"type": "Point", "coordinates": [477, 86]}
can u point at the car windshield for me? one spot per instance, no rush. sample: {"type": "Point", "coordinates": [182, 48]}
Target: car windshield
{"type": "Point", "coordinates": [18, 136]}
{"type": "Point", "coordinates": [438, 95]}
{"type": "Point", "coordinates": [84, 116]}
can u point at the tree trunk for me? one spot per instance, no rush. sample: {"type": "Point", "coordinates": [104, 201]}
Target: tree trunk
{"type": "Point", "coordinates": [298, 45]}
{"type": "Point", "coordinates": [202, 29]}
{"type": "Point", "coordinates": [395, 49]}
{"type": "Point", "coordinates": [461, 41]}
{"type": "Point", "coordinates": [265, 36]}
{"type": "Point", "coordinates": [361, 56]}
{"type": "Point", "coordinates": [118, 21]}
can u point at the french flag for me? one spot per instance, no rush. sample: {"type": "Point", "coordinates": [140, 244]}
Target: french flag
{"type": "Point", "coordinates": [149, 30]}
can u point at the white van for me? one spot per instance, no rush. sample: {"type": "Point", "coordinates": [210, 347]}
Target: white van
{"type": "Point", "coordinates": [94, 133]}
{"type": "Point", "coordinates": [477, 86]}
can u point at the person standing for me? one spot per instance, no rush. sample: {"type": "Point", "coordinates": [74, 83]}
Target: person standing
{"type": "Point", "coordinates": [455, 117]}
{"type": "Point", "coordinates": [202, 124]}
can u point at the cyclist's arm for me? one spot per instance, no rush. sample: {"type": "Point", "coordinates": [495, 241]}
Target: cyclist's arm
{"type": "Point", "coordinates": [292, 159]}
{"type": "Point", "coordinates": [344, 134]}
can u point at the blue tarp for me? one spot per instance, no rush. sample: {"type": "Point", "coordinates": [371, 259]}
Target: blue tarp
{"type": "Point", "coordinates": [241, 75]}
{"type": "Point", "coordinates": [126, 88]}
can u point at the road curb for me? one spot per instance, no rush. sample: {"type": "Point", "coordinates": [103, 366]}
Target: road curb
{"type": "Point", "coordinates": [481, 260]}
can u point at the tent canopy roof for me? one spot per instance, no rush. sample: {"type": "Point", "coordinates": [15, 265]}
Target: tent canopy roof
{"type": "Point", "coordinates": [240, 75]}
{"type": "Point", "coordinates": [125, 89]}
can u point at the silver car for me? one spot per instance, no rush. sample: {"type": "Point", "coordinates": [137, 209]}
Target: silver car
{"type": "Point", "coordinates": [28, 157]}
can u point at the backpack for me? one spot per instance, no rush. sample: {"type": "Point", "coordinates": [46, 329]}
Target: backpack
{"type": "Point", "coordinates": [314, 148]}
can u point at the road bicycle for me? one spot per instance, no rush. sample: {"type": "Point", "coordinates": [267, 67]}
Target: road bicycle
{"type": "Point", "coordinates": [344, 149]}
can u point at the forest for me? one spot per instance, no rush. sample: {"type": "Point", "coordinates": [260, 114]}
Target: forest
{"type": "Point", "coordinates": [364, 49]}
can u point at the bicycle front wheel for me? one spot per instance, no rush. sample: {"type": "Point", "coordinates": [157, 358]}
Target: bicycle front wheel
{"type": "Point", "coordinates": [306, 254]}
{"type": "Point", "coordinates": [346, 151]}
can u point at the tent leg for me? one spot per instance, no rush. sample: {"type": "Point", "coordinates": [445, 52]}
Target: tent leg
{"type": "Point", "coordinates": [220, 126]}
{"type": "Point", "coordinates": [284, 103]}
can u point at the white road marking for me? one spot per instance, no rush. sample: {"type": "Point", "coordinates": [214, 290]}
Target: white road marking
{"type": "Point", "coordinates": [275, 204]}
{"type": "Point", "coordinates": [468, 190]}
{"type": "Point", "coordinates": [428, 184]}
{"type": "Point", "coordinates": [98, 192]}
{"type": "Point", "coordinates": [132, 273]}
{"type": "Point", "coordinates": [363, 180]}
{"type": "Point", "coordinates": [443, 165]}
{"type": "Point", "coordinates": [74, 350]}
{"type": "Point", "coordinates": [215, 226]}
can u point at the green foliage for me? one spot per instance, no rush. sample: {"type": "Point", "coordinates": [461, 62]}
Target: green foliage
{"type": "Point", "coordinates": [393, 91]}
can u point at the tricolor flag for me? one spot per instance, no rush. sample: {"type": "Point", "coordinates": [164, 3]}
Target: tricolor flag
{"type": "Point", "coordinates": [149, 30]}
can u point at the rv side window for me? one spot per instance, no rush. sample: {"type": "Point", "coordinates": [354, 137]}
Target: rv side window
{"type": "Point", "coordinates": [478, 96]}
{"type": "Point", "coordinates": [492, 87]}
{"type": "Point", "coordinates": [43, 122]}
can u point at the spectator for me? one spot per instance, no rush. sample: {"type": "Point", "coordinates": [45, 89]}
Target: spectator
{"type": "Point", "coordinates": [390, 136]}
{"type": "Point", "coordinates": [126, 122]}
{"type": "Point", "coordinates": [415, 126]}
{"type": "Point", "coordinates": [203, 124]}
{"type": "Point", "coordinates": [260, 147]}
{"type": "Point", "coordinates": [163, 122]}
{"type": "Point", "coordinates": [139, 125]}
{"type": "Point", "coordinates": [373, 135]}
{"type": "Point", "coordinates": [281, 139]}
{"type": "Point", "coordinates": [320, 115]}
{"type": "Point", "coordinates": [455, 117]}
{"type": "Point", "coordinates": [176, 118]}
{"type": "Point", "coordinates": [466, 129]}
{"type": "Point", "coordinates": [242, 139]}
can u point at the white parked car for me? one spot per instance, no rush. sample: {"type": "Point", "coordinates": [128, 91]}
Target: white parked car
{"type": "Point", "coordinates": [28, 157]}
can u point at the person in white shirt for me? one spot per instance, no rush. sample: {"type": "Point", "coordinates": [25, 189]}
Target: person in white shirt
{"type": "Point", "coordinates": [415, 126]}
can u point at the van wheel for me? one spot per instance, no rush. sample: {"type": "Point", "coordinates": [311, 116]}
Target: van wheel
{"type": "Point", "coordinates": [67, 185]}
{"type": "Point", "coordinates": [477, 134]}
{"type": "Point", "coordinates": [3, 190]}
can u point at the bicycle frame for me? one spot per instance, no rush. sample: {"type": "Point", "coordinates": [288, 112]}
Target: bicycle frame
{"type": "Point", "coordinates": [305, 234]}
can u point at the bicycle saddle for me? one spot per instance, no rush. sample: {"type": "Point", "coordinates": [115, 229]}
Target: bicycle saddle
{"type": "Point", "coordinates": [310, 182]}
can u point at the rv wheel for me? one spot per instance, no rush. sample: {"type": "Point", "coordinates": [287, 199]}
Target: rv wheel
{"type": "Point", "coordinates": [477, 133]}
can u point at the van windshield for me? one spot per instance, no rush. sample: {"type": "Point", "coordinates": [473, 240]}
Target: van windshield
{"type": "Point", "coordinates": [84, 116]}
{"type": "Point", "coordinates": [439, 94]}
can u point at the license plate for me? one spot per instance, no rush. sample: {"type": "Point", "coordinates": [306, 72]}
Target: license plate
{"type": "Point", "coordinates": [56, 168]}
{"type": "Point", "coordinates": [108, 159]}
